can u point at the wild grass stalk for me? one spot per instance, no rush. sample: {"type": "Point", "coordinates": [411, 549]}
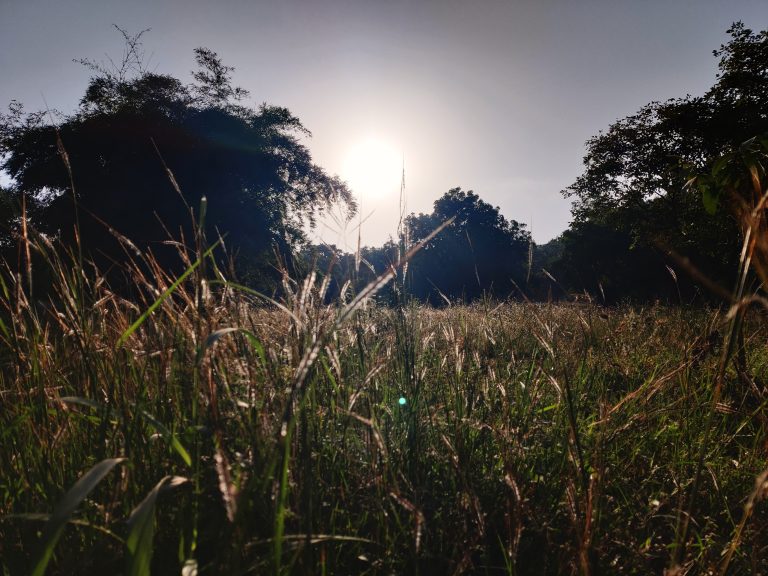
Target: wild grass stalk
{"type": "Point", "coordinates": [533, 438]}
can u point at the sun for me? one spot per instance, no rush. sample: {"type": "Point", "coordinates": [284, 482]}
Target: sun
{"type": "Point", "coordinates": [373, 169]}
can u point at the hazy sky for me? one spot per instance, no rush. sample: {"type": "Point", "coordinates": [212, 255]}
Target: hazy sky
{"type": "Point", "coordinates": [497, 97]}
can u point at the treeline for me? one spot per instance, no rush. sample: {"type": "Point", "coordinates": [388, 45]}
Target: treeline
{"type": "Point", "coordinates": [659, 210]}
{"type": "Point", "coordinates": [664, 199]}
{"type": "Point", "coordinates": [130, 169]}
{"type": "Point", "coordinates": [479, 253]}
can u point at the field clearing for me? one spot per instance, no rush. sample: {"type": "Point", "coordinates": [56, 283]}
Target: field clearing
{"type": "Point", "coordinates": [508, 438]}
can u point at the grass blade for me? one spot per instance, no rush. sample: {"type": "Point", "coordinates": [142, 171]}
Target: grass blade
{"type": "Point", "coordinates": [159, 427]}
{"type": "Point", "coordinates": [168, 436]}
{"type": "Point", "coordinates": [66, 507]}
{"type": "Point", "coordinates": [141, 528]}
{"type": "Point", "coordinates": [79, 400]}
{"type": "Point", "coordinates": [216, 335]}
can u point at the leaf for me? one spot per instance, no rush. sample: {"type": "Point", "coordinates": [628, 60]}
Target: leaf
{"type": "Point", "coordinates": [213, 337]}
{"type": "Point", "coordinates": [548, 408]}
{"type": "Point", "coordinates": [709, 198]}
{"type": "Point", "coordinates": [720, 164]}
{"type": "Point", "coordinates": [82, 402]}
{"type": "Point", "coordinates": [4, 287]}
{"type": "Point", "coordinates": [168, 436]}
{"type": "Point", "coordinates": [141, 528]}
{"type": "Point", "coordinates": [66, 507]}
{"type": "Point", "coordinates": [256, 344]}
{"type": "Point", "coordinates": [88, 403]}
{"type": "Point", "coordinates": [4, 328]}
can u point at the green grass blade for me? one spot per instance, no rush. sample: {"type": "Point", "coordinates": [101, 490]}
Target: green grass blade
{"type": "Point", "coordinates": [5, 330]}
{"type": "Point", "coordinates": [256, 344]}
{"type": "Point", "coordinates": [65, 508]}
{"type": "Point", "coordinates": [170, 290]}
{"type": "Point", "coordinates": [79, 400]}
{"type": "Point", "coordinates": [282, 502]}
{"type": "Point", "coordinates": [168, 436]}
{"type": "Point", "coordinates": [141, 529]}
{"type": "Point", "coordinates": [88, 403]}
{"type": "Point", "coordinates": [159, 427]}
{"type": "Point", "coordinates": [4, 287]}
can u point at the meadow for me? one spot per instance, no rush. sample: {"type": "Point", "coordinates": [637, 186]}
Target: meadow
{"type": "Point", "coordinates": [191, 426]}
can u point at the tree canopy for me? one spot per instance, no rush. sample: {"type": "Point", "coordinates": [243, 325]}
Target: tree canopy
{"type": "Point", "coordinates": [635, 185]}
{"type": "Point", "coordinates": [479, 252]}
{"type": "Point", "coordinates": [143, 147]}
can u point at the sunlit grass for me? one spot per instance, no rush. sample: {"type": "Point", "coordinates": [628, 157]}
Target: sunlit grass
{"type": "Point", "coordinates": [299, 436]}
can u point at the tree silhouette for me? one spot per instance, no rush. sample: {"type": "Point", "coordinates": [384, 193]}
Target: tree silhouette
{"type": "Point", "coordinates": [480, 252]}
{"type": "Point", "coordinates": [635, 182]}
{"type": "Point", "coordinates": [260, 181]}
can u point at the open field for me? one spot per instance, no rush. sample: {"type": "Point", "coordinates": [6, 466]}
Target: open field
{"type": "Point", "coordinates": [255, 438]}
{"type": "Point", "coordinates": [322, 371]}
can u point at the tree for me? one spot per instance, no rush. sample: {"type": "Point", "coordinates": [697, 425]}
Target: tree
{"type": "Point", "coordinates": [480, 252]}
{"type": "Point", "coordinates": [604, 261]}
{"type": "Point", "coordinates": [260, 181]}
{"type": "Point", "coordinates": [636, 176]}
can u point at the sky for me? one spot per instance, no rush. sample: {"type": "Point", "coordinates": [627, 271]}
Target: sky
{"type": "Point", "coordinates": [498, 97]}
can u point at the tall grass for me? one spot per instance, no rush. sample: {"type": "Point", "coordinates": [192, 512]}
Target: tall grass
{"type": "Point", "coordinates": [200, 427]}
{"type": "Point", "coordinates": [268, 437]}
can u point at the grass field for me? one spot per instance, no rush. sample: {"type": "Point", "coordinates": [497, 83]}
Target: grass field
{"type": "Point", "coordinates": [196, 429]}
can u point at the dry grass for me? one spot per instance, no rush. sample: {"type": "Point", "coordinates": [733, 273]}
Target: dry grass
{"type": "Point", "coordinates": [533, 438]}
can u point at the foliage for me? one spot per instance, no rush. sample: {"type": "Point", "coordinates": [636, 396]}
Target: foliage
{"type": "Point", "coordinates": [269, 436]}
{"type": "Point", "coordinates": [481, 252]}
{"type": "Point", "coordinates": [606, 263]}
{"type": "Point", "coordinates": [634, 182]}
{"type": "Point", "coordinates": [110, 161]}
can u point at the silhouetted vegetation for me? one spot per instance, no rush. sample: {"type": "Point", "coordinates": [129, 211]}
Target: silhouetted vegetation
{"type": "Point", "coordinates": [634, 202]}
{"type": "Point", "coordinates": [108, 165]}
{"type": "Point", "coordinates": [480, 252]}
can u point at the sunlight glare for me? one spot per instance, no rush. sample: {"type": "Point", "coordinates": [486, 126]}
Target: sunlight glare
{"type": "Point", "coordinates": [373, 169]}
